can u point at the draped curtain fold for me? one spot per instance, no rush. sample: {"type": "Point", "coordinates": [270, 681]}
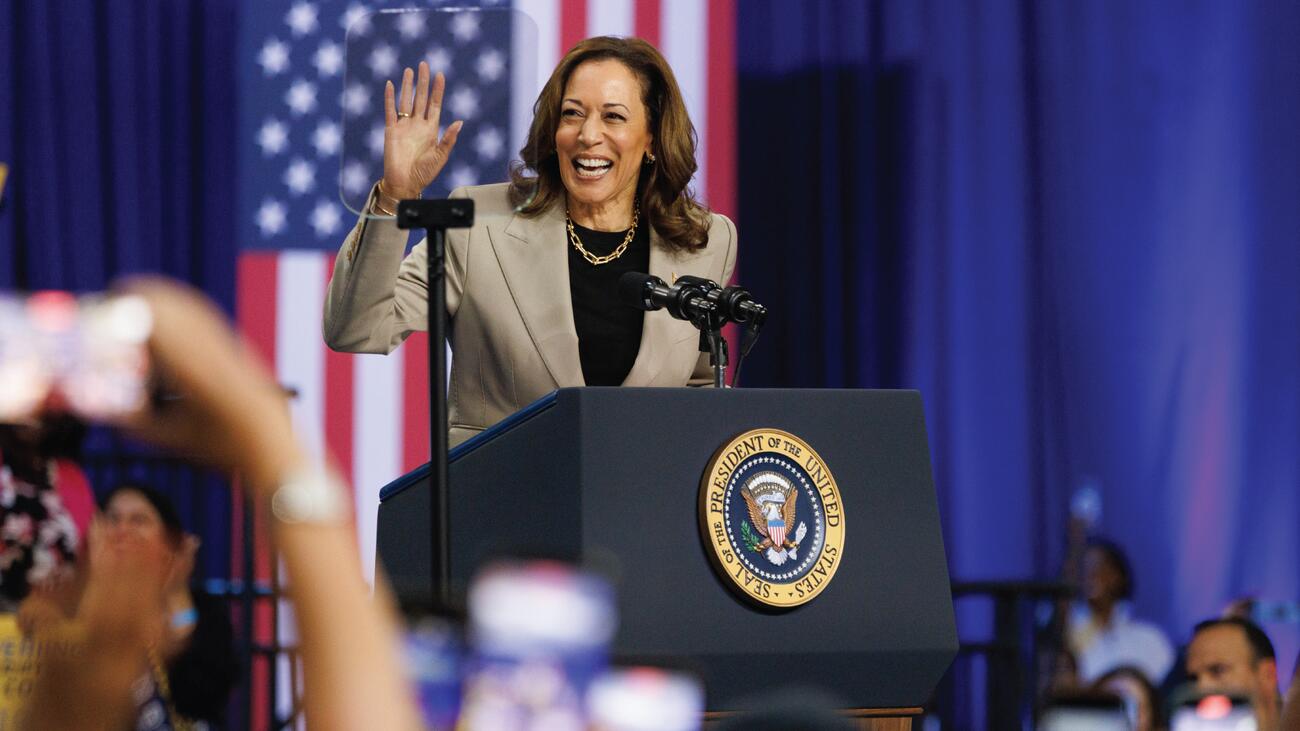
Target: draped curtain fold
{"type": "Point", "coordinates": [1074, 227]}
{"type": "Point", "coordinates": [117, 122]}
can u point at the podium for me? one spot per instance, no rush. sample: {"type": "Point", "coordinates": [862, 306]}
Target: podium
{"type": "Point", "coordinates": [612, 476]}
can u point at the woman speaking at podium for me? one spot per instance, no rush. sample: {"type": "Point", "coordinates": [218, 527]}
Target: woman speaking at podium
{"type": "Point", "coordinates": [532, 287]}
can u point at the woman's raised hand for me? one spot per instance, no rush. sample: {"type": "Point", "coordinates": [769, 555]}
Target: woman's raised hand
{"type": "Point", "coordinates": [413, 153]}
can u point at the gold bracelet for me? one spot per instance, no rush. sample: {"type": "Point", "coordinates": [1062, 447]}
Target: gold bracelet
{"type": "Point", "coordinates": [378, 205]}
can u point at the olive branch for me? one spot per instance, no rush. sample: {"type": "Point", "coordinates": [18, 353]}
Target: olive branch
{"type": "Point", "coordinates": [747, 533]}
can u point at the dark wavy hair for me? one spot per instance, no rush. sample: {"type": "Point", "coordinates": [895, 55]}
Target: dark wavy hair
{"type": "Point", "coordinates": [662, 191]}
{"type": "Point", "coordinates": [166, 509]}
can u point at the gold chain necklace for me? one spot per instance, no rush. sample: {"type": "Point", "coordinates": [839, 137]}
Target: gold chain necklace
{"type": "Point", "coordinates": [611, 256]}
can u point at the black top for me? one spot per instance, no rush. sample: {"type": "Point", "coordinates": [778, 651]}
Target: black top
{"type": "Point", "coordinates": [609, 332]}
{"type": "Point", "coordinates": [203, 675]}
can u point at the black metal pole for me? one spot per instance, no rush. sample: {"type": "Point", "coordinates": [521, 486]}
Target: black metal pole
{"type": "Point", "coordinates": [435, 217]}
{"type": "Point", "coordinates": [437, 250]}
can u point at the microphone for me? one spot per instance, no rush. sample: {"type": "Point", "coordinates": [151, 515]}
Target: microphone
{"type": "Point", "coordinates": [648, 292]}
{"type": "Point", "coordinates": [734, 303]}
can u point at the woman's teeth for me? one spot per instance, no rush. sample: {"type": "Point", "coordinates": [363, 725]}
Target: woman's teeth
{"type": "Point", "coordinates": [589, 167]}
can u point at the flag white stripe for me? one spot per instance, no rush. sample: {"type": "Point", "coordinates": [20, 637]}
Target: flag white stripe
{"type": "Point", "coordinates": [534, 51]}
{"type": "Point", "coordinates": [376, 442]}
{"type": "Point", "coordinates": [299, 354]}
{"type": "Point", "coordinates": [684, 42]}
{"type": "Point", "coordinates": [300, 365]}
{"type": "Point", "coordinates": [610, 18]}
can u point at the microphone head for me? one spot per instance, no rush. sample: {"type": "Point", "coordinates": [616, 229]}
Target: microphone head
{"type": "Point", "coordinates": [634, 289]}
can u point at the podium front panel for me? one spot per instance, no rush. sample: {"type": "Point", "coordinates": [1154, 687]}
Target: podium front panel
{"type": "Point", "coordinates": [612, 476]}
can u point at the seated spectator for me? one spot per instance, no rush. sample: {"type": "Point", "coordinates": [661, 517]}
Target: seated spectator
{"type": "Point", "coordinates": [1102, 632]}
{"type": "Point", "coordinates": [1234, 656]}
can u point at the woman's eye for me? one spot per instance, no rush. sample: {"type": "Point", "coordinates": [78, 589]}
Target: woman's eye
{"type": "Point", "coordinates": [615, 117]}
{"type": "Point", "coordinates": [569, 112]}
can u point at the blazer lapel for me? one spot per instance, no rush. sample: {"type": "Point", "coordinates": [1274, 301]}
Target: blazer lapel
{"type": "Point", "coordinates": [536, 267]}
{"type": "Point", "coordinates": [659, 331]}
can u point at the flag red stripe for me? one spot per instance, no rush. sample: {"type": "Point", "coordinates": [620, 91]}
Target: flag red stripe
{"type": "Point", "coordinates": [255, 309]}
{"type": "Point", "coordinates": [573, 23]}
{"type": "Point", "coordinates": [338, 404]}
{"type": "Point", "coordinates": [649, 17]}
{"type": "Point", "coordinates": [415, 401]}
{"type": "Point", "coordinates": [721, 132]}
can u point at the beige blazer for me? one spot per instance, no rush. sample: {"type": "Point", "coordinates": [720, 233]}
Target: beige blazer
{"type": "Point", "coordinates": [510, 309]}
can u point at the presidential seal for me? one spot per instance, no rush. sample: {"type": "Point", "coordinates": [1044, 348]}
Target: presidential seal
{"type": "Point", "coordinates": [771, 518]}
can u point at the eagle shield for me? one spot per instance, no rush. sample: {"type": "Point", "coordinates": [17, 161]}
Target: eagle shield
{"type": "Point", "coordinates": [770, 499]}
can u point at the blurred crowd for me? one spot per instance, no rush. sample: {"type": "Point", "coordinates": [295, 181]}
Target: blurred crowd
{"type": "Point", "coordinates": [1106, 663]}
{"type": "Point", "coordinates": [102, 626]}
{"type": "Point", "coordinates": [125, 640]}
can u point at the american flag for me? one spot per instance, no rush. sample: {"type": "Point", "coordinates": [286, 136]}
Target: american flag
{"type": "Point", "coordinates": [311, 133]}
{"type": "Point", "coordinates": [312, 125]}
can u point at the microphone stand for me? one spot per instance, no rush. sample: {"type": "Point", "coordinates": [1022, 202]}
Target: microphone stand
{"type": "Point", "coordinates": [711, 341]}
{"type": "Point", "coordinates": [435, 217]}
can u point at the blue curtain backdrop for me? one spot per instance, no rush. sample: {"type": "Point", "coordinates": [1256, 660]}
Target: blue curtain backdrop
{"type": "Point", "coordinates": [1075, 226]}
{"type": "Point", "coordinates": [118, 129]}
{"type": "Point", "coordinates": [117, 123]}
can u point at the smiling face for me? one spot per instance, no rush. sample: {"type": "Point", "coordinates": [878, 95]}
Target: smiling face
{"type": "Point", "coordinates": [128, 513]}
{"type": "Point", "coordinates": [602, 139]}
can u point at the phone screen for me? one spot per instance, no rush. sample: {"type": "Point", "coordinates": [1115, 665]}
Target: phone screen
{"type": "Point", "coordinates": [1214, 713]}
{"type": "Point", "coordinates": [87, 356]}
{"type": "Point", "coordinates": [1080, 718]}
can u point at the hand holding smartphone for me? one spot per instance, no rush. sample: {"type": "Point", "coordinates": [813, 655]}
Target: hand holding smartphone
{"type": "Point", "coordinates": [87, 356]}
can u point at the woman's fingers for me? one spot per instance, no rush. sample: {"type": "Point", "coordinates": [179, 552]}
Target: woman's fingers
{"type": "Point", "coordinates": [421, 92]}
{"type": "Point", "coordinates": [407, 99]}
{"type": "Point", "coordinates": [435, 99]}
{"type": "Point", "coordinates": [448, 140]}
{"type": "Point", "coordinates": [390, 105]}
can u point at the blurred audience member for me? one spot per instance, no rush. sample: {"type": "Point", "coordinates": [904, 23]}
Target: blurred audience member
{"type": "Point", "coordinates": [1242, 607]}
{"type": "Point", "coordinates": [195, 666]}
{"type": "Point", "coordinates": [1103, 634]}
{"type": "Point", "coordinates": [231, 414]}
{"type": "Point", "coordinates": [1291, 704]}
{"type": "Point", "coordinates": [38, 537]}
{"type": "Point", "coordinates": [1064, 677]}
{"type": "Point", "coordinates": [91, 667]}
{"type": "Point", "coordinates": [1234, 656]}
{"type": "Point", "coordinates": [1141, 699]}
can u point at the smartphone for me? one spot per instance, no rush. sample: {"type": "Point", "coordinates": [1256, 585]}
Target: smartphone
{"type": "Point", "coordinates": [645, 699]}
{"type": "Point", "coordinates": [539, 637]}
{"type": "Point", "coordinates": [83, 355]}
{"type": "Point", "coordinates": [1085, 712]}
{"type": "Point", "coordinates": [1214, 713]}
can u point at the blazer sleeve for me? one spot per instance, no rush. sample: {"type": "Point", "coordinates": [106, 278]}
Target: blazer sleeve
{"type": "Point", "coordinates": [376, 296]}
{"type": "Point", "coordinates": [703, 374]}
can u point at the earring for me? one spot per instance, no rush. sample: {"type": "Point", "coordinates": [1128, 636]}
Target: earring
{"type": "Point", "coordinates": [649, 159]}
